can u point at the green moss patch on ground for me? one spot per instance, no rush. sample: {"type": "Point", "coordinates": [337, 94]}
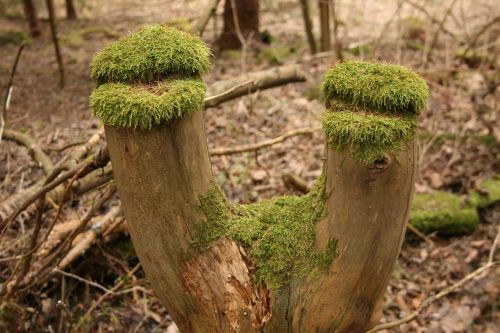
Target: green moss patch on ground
{"type": "Point", "coordinates": [142, 107]}
{"type": "Point", "coordinates": [490, 193]}
{"type": "Point", "coordinates": [449, 214]}
{"type": "Point", "coordinates": [384, 88]}
{"type": "Point", "coordinates": [278, 234]}
{"type": "Point", "coordinates": [370, 136]}
{"type": "Point", "coordinates": [444, 213]}
{"type": "Point", "coordinates": [153, 53]}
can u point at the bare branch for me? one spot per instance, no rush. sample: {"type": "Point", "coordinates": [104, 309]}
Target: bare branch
{"type": "Point", "coordinates": [34, 150]}
{"type": "Point", "coordinates": [266, 143]}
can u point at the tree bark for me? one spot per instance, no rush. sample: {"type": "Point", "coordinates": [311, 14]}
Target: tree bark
{"type": "Point", "coordinates": [160, 174]}
{"type": "Point", "coordinates": [32, 18]}
{"type": "Point", "coordinates": [55, 40]}
{"type": "Point", "coordinates": [308, 26]}
{"type": "Point", "coordinates": [324, 22]}
{"type": "Point", "coordinates": [242, 26]}
{"type": "Point", "coordinates": [71, 10]}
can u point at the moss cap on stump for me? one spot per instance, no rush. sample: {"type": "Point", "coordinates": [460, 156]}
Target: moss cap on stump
{"type": "Point", "coordinates": [149, 77]}
{"type": "Point", "coordinates": [383, 88]}
{"type": "Point", "coordinates": [372, 107]}
{"type": "Point", "coordinates": [143, 107]}
{"type": "Point", "coordinates": [153, 53]}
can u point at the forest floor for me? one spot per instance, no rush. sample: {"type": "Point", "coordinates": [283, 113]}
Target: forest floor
{"type": "Point", "coordinates": [459, 140]}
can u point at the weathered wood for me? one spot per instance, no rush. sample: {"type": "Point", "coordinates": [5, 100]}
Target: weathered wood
{"type": "Point", "coordinates": [32, 18]}
{"type": "Point", "coordinates": [160, 174]}
{"type": "Point", "coordinates": [369, 226]}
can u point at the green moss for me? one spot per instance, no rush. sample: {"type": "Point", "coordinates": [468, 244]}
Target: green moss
{"type": "Point", "coordinates": [144, 106]}
{"type": "Point", "coordinates": [13, 37]}
{"type": "Point", "coordinates": [370, 136]}
{"type": "Point", "coordinates": [154, 53]}
{"type": "Point", "coordinates": [491, 187]}
{"type": "Point", "coordinates": [383, 88]}
{"type": "Point", "coordinates": [278, 234]}
{"type": "Point", "coordinates": [444, 213]}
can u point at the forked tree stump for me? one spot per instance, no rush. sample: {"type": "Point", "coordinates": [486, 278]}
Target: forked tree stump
{"type": "Point", "coordinates": [221, 267]}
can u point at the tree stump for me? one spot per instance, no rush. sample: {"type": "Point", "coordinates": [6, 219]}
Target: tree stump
{"type": "Point", "coordinates": [314, 263]}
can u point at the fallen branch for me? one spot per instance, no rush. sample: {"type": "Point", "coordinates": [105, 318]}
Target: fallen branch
{"type": "Point", "coordinates": [33, 149]}
{"type": "Point", "coordinates": [477, 274]}
{"type": "Point", "coordinates": [99, 160]}
{"type": "Point", "coordinates": [269, 78]}
{"type": "Point", "coordinates": [266, 143]}
{"type": "Point", "coordinates": [295, 182]}
{"type": "Point", "coordinates": [420, 234]}
{"type": "Point", "coordinates": [62, 249]}
{"type": "Point", "coordinates": [12, 203]}
{"type": "Point", "coordinates": [89, 237]}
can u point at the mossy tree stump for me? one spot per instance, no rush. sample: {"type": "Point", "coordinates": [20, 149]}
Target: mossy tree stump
{"type": "Point", "coordinates": [315, 263]}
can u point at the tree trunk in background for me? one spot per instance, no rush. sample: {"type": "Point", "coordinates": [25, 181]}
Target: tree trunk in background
{"type": "Point", "coordinates": [324, 22]}
{"type": "Point", "coordinates": [336, 37]}
{"type": "Point", "coordinates": [244, 26]}
{"type": "Point", "coordinates": [160, 174]}
{"type": "Point", "coordinates": [71, 10]}
{"type": "Point", "coordinates": [32, 18]}
{"type": "Point", "coordinates": [308, 25]}
{"type": "Point", "coordinates": [55, 40]}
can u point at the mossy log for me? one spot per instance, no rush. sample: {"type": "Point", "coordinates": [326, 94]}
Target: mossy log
{"type": "Point", "coordinates": [315, 263]}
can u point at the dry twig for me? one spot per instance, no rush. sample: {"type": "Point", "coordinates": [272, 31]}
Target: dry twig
{"type": "Point", "coordinates": [266, 143]}
{"type": "Point", "coordinates": [477, 274]}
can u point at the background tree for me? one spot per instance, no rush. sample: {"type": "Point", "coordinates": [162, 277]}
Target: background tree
{"type": "Point", "coordinates": [308, 25]}
{"type": "Point", "coordinates": [71, 10]}
{"type": "Point", "coordinates": [241, 23]}
{"type": "Point", "coordinates": [324, 24]}
{"type": "Point", "coordinates": [32, 18]}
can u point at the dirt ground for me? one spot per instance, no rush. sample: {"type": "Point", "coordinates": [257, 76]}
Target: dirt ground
{"type": "Point", "coordinates": [459, 136]}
